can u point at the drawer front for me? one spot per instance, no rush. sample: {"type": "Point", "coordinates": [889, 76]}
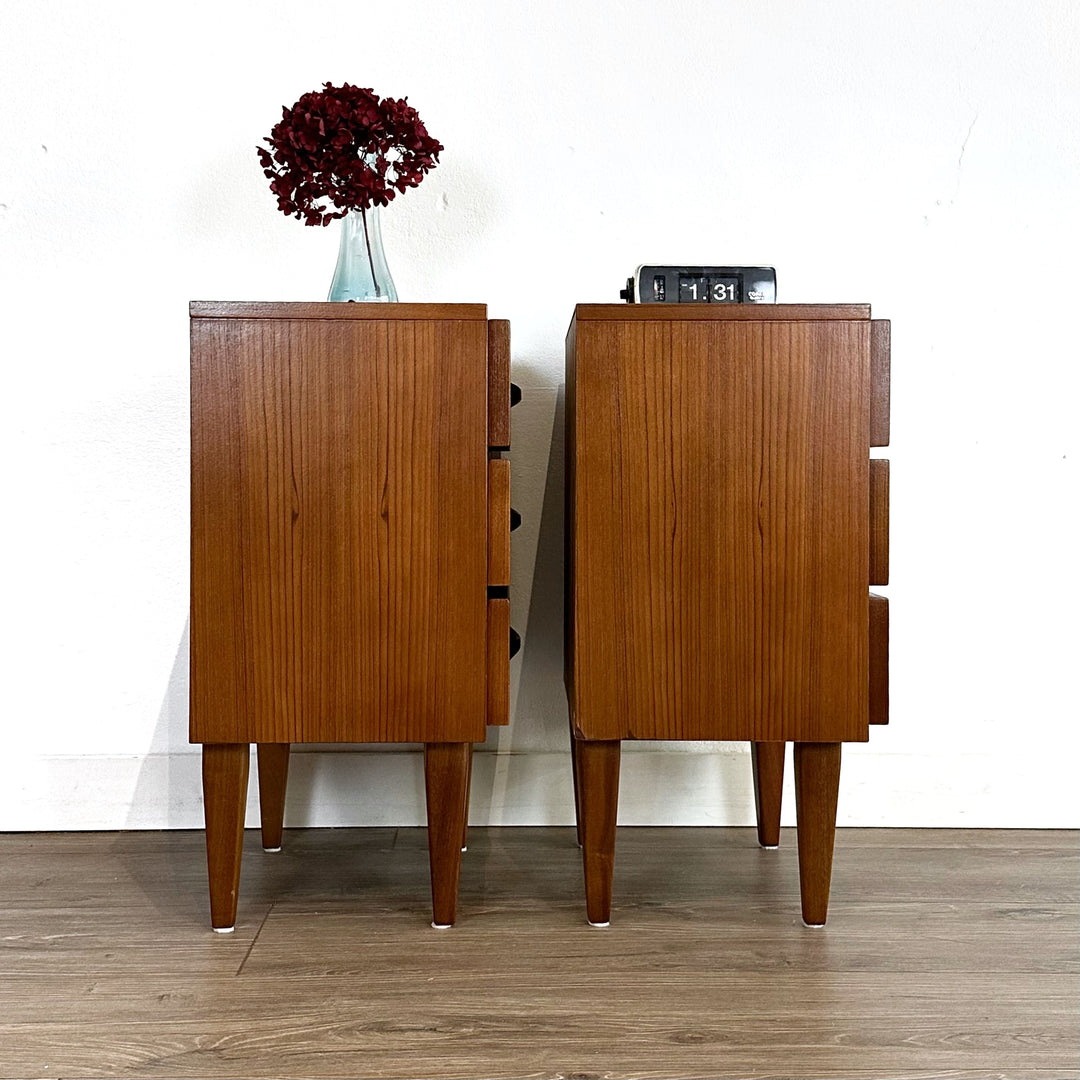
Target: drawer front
{"type": "Point", "coordinates": [498, 522]}
{"type": "Point", "coordinates": [879, 659]}
{"type": "Point", "coordinates": [879, 521]}
{"type": "Point", "coordinates": [499, 384]}
{"type": "Point", "coordinates": [880, 380]}
{"type": "Point", "coordinates": [498, 661]}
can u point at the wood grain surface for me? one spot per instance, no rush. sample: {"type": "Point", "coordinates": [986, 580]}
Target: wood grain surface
{"type": "Point", "coordinates": [348, 312]}
{"type": "Point", "coordinates": [498, 661]}
{"type": "Point", "coordinates": [446, 783]}
{"type": "Point", "coordinates": [273, 765]}
{"type": "Point", "coordinates": [880, 381]}
{"type": "Point", "coordinates": [767, 763]}
{"type": "Point", "coordinates": [817, 785]}
{"type": "Point", "coordinates": [718, 472]}
{"type": "Point", "coordinates": [879, 521]}
{"type": "Point", "coordinates": [718, 312]}
{"type": "Point", "coordinates": [948, 953]}
{"type": "Point", "coordinates": [499, 384]}
{"type": "Point", "coordinates": [339, 527]}
{"type": "Point", "coordinates": [879, 659]}
{"type": "Point", "coordinates": [498, 522]}
{"type": "Point", "coordinates": [225, 780]}
{"type": "Point", "coordinates": [596, 765]}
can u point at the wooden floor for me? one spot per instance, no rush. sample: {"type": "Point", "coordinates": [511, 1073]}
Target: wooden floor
{"type": "Point", "coordinates": [948, 953]}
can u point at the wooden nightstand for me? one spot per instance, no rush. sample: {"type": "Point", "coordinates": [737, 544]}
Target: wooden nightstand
{"type": "Point", "coordinates": [724, 522]}
{"type": "Point", "coordinates": [350, 552]}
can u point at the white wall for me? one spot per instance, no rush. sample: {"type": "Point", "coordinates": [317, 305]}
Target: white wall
{"type": "Point", "coordinates": [922, 156]}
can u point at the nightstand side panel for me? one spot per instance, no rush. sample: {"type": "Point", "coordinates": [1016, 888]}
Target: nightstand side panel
{"type": "Point", "coordinates": [339, 529]}
{"type": "Point", "coordinates": [720, 509]}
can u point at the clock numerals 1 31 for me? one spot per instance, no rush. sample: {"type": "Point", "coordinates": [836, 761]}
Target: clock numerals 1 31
{"type": "Point", "coordinates": [700, 289]}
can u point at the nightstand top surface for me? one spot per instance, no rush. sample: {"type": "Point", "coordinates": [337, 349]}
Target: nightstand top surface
{"type": "Point", "coordinates": [718, 312]}
{"type": "Point", "coordinates": [262, 309]}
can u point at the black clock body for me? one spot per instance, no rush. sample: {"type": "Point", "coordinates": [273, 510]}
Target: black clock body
{"type": "Point", "coordinates": [701, 285]}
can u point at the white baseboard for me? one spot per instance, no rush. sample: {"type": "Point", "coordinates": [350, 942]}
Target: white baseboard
{"type": "Point", "coordinates": [163, 791]}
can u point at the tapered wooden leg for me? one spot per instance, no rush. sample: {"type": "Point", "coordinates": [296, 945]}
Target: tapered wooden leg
{"type": "Point", "coordinates": [446, 768]}
{"type": "Point", "coordinates": [598, 779]}
{"type": "Point", "coordinates": [767, 759]}
{"type": "Point", "coordinates": [468, 789]}
{"type": "Point", "coordinates": [273, 759]}
{"type": "Point", "coordinates": [577, 785]}
{"type": "Point", "coordinates": [817, 782]}
{"type": "Point", "coordinates": [225, 781]}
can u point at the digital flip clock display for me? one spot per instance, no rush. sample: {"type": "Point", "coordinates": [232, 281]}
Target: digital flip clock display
{"type": "Point", "coordinates": [702, 285]}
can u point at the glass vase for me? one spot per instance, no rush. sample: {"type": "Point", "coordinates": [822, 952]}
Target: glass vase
{"type": "Point", "coordinates": [361, 272]}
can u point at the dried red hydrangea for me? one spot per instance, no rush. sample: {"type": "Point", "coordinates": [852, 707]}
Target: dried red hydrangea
{"type": "Point", "coordinates": [342, 148]}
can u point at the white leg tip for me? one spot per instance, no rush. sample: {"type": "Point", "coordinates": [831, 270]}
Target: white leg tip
{"type": "Point", "coordinates": [223, 929]}
{"type": "Point", "coordinates": [770, 847]}
{"type": "Point", "coordinates": [441, 926]}
{"type": "Point", "coordinates": [813, 925]}
{"type": "Point", "coordinates": [464, 849]}
{"type": "Point", "coordinates": [271, 850]}
{"type": "Point", "coordinates": [598, 925]}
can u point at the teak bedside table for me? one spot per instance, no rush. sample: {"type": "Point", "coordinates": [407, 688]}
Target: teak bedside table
{"type": "Point", "coordinates": [350, 552]}
{"type": "Point", "coordinates": [724, 522]}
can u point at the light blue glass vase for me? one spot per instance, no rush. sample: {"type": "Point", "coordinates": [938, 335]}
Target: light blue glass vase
{"type": "Point", "coordinates": [361, 273]}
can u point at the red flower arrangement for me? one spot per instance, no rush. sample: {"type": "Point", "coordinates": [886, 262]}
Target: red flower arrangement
{"type": "Point", "coordinates": [342, 148]}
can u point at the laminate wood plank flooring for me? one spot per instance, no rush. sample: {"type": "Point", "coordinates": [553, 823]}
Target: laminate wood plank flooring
{"type": "Point", "coordinates": [947, 954]}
